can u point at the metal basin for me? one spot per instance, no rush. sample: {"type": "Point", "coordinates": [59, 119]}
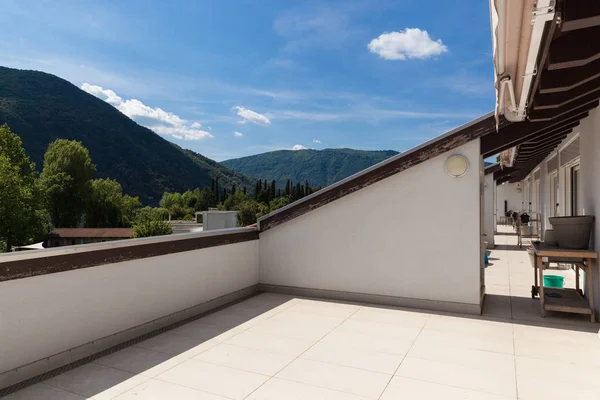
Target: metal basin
{"type": "Point", "coordinates": [573, 232]}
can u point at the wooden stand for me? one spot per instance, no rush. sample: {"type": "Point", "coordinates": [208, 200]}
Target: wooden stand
{"type": "Point", "coordinates": [564, 300]}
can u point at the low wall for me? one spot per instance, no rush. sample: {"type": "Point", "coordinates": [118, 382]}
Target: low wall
{"type": "Point", "coordinates": [60, 305]}
{"type": "Point", "coordinates": [412, 238]}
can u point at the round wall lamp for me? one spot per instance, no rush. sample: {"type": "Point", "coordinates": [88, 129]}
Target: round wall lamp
{"type": "Point", "coordinates": [457, 166]}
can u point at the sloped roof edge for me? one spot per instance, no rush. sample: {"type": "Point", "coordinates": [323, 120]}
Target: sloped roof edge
{"type": "Point", "coordinates": [393, 165]}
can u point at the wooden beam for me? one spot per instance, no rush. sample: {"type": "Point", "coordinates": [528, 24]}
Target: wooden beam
{"type": "Point", "coordinates": [583, 104]}
{"type": "Point", "coordinates": [575, 49]}
{"type": "Point", "coordinates": [564, 80]}
{"type": "Point", "coordinates": [582, 23]}
{"type": "Point", "coordinates": [580, 14]}
{"type": "Point", "coordinates": [519, 132]}
{"type": "Point", "coordinates": [543, 139]}
{"type": "Point", "coordinates": [559, 99]}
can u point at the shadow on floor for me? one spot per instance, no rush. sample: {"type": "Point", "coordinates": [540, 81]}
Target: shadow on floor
{"type": "Point", "coordinates": [510, 247]}
{"type": "Point", "coordinates": [214, 323]}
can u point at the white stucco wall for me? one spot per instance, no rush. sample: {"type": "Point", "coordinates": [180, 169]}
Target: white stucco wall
{"type": "Point", "coordinates": [590, 182]}
{"type": "Point", "coordinates": [508, 191]}
{"type": "Point", "coordinates": [44, 315]}
{"type": "Point", "coordinates": [489, 209]}
{"type": "Point", "coordinates": [413, 235]}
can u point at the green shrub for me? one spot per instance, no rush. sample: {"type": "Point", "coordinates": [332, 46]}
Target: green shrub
{"type": "Point", "coordinates": [152, 228]}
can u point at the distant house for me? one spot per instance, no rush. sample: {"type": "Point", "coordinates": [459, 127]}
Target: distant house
{"type": "Point", "coordinates": [73, 236]}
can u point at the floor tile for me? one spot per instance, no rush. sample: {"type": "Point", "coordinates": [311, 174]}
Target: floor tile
{"type": "Point", "coordinates": [271, 343]}
{"type": "Point", "coordinates": [280, 389]}
{"type": "Point", "coordinates": [499, 343]}
{"type": "Point", "coordinates": [490, 379]}
{"type": "Point", "coordinates": [336, 377]}
{"type": "Point", "coordinates": [558, 345]}
{"type": "Point", "coordinates": [380, 329]}
{"type": "Point", "coordinates": [403, 388]}
{"type": "Point", "coordinates": [41, 391]}
{"type": "Point", "coordinates": [141, 361]}
{"type": "Point", "coordinates": [215, 379]}
{"type": "Point", "coordinates": [550, 379]}
{"type": "Point", "coordinates": [296, 330]}
{"type": "Point", "coordinates": [326, 308]}
{"type": "Point", "coordinates": [97, 381]}
{"type": "Point", "coordinates": [392, 316]}
{"type": "Point", "coordinates": [259, 361]}
{"type": "Point", "coordinates": [172, 344]}
{"type": "Point", "coordinates": [366, 341]}
{"type": "Point", "coordinates": [201, 332]}
{"type": "Point", "coordinates": [353, 357]}
{"type": "Point", "coordinates": [159, 390]}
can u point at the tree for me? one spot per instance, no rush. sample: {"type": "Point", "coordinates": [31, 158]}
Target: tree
{"type": "Point", "coordinates": [206, 199]}
{"type": "Point", "coordinates": [173, 203]}
{"type": "Point", "coordinates": [287, 191]}
{"type": "Point", "coordinates": [152, 228]}
{"type": "Point", "coordinates": [107, 207]}
{"type": "Point", "coordinates": [22, 216]}
{"type": "Point", "coordinates": [272, 193]}
{"type": "Point", "coordinates": [66, 178]}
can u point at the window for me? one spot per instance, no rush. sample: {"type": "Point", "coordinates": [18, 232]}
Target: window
{"type": "Point", "coordinates": [574, 195]}
{"type": "Point", "coordinates": [554, 194]}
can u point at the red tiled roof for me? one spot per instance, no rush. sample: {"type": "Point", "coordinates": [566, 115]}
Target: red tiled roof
{"type": "Point", "coordinates": [93, 232]}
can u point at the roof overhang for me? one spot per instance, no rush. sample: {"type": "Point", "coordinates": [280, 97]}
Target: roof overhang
{"type": "Point", "coordinates": [564, 89]}
{"type": "Point", "coordinates": [518, 27]}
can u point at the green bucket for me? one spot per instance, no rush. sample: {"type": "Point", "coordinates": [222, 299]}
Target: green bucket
{"type": "Point", "coordinates": [554, 281]}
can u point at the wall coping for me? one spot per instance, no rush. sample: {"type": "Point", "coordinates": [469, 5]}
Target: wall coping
{"type": "Point", "coordinates": [30, 263]}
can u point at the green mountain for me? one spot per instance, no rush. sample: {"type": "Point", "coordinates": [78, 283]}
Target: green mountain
{"type": "Point", "coordinates": [320, 167]}
{"type": "Point", "coordinates": [40, 108]}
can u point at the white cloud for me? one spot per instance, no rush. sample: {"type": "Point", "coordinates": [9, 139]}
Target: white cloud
{"type": "Point", "coordinates": [238, 134]}
{"type": "Point", "coordinates": [317, 141]}
{"type": "Point", "coordinates": [409, 43]}
{"type": "Point", "coordinates": [251, 116]}
{"type": "Point", "coordinates": [298, 147]}
{"type": "Point", "coordinates": [105, 94]}
{"type": "Point", "coordinates": [160, 121]}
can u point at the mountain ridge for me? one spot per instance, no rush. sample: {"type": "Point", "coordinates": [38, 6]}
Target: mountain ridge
{"type": "Point", "coordinates": [41, 107]}
{"type": "Point", "coordinates": [319, 167]}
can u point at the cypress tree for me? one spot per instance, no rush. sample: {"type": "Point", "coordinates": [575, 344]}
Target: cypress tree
{"type": "Point", "coordinates": [265, 188]}
{"type": "Point", "coordinates": [217, 189]}
{"type": "Point", "coordinates": [279, 192]}
{"type": "Point", "coordinates": [224, 194]}
{"type": "Point", "coordinates": [244, 190]}
{"type": "Point", "coordinates": [233, 189]}
{"type": "Point", "coordinates": [288, 191]}
{"type": "Point", "coordinates": [212, 185]}
{"type": "Point", "coordinates": [272, 189]}
{"type": "Point", "coordinates": [307, 188]}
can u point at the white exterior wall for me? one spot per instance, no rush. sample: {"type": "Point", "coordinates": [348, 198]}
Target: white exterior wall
{"type": "Point", "coordinates": [413, 235]}
{"type": "Point", "coordinates": [489, 209]}
{"type": "Point", "coordinates": [590, 182]}
{"type": "Point", "coordinates": [508, 191]}
{"type": "Point", "coordinates": [45, 315]}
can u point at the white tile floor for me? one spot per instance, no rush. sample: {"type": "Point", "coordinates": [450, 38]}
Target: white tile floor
{"type": "Point", "coordinates": [274, 347]}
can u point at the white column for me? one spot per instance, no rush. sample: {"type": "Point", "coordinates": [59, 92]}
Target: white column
{"type": "Point", "coordinates": [544, 194]}
{"type": "Point", "coordinates": [590, 182]}
{"type": "Point", "coordinates": [489, 207]}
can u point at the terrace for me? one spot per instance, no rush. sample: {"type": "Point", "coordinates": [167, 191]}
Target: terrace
{"type": "Point", "coordinates": [370, 288]}
{"type": "Point", "coordinates": [277, 346]}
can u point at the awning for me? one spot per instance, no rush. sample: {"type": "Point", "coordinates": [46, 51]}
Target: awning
{"type": "Point", "coordinates": [565, 88]}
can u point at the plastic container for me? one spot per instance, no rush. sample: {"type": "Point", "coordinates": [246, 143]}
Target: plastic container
{"type": "Point", "coordinates": [555, 281]}
{"type": "Point", "coordinates": [573, 232]}
{"type": "Point", "coordinates": [549, 238]}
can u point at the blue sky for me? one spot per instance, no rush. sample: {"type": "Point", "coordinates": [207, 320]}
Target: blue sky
{"type": "Point", "coordinates": [233, 78]}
